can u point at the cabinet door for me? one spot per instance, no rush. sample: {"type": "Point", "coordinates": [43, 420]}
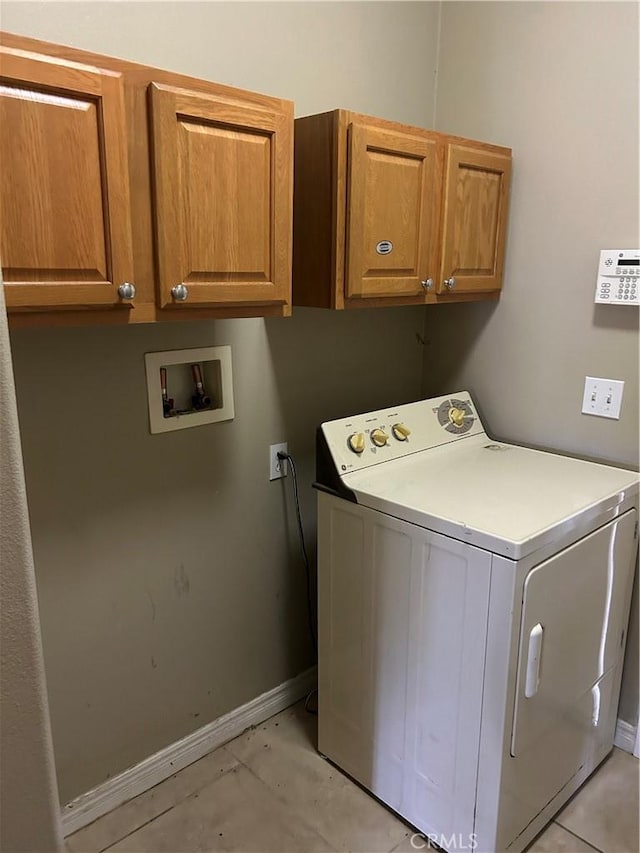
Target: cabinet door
{"type": "Point", "coordinates": [223, 187]}
{"type": "Point", "coordinates": [391, 203]}
{"type": "Point", "coordinates": [475, 219]}
{"type": "Point", "coordinates": [65, 219]}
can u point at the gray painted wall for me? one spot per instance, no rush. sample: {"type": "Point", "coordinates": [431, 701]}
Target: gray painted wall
{"type": "Point", "coordinates": [170, 583]}
{"type": "Point", "coordinates": [534, 77]}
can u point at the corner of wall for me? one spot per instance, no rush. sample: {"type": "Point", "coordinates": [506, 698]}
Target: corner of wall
{"type": "Point", "coordinates": [29, 795]}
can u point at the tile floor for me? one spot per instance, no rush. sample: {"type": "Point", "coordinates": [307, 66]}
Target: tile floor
{"type": "Point", "coordinates": [269, 790]}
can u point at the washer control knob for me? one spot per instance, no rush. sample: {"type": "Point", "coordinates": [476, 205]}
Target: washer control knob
{"type": "Point", "coordinates": [401, 432]}
{"type": "Point", "coordinates": [456, 416]}
{"type": "Point", "coordinates": [356, 442]}
{"type": "Point", "coordinates": [379, 437]}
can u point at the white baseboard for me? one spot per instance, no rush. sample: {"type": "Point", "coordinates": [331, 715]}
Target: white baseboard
{"type": "Point", "coordinates": [625, 736]}
{"type": "Point", "coordinates": [90, 806]}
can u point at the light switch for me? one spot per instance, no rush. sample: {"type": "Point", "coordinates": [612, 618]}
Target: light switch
{"type": "Point", "coordinates": [602, 397]}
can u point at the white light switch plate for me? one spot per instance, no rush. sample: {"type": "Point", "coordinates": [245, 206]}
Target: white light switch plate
{"type": "Point", "coordinates": [602, 397]}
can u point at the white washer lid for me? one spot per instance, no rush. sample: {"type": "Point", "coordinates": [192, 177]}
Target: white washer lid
{"type": "Point", "coordinates": [504, 498]}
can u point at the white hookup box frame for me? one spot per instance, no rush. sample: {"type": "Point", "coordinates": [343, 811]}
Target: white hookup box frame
{"type": "Point", "coordinates": [215, 363]}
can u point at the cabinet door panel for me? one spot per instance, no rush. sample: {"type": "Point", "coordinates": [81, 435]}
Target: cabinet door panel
{"type": "Point", "coordinates": [475, 219]}
{"type": "Point", "coordinates": [223, 199]}
{"type": "Point", "coordinates": [390, 208]}
{"type": "Point", "coordinates": [65, 221]}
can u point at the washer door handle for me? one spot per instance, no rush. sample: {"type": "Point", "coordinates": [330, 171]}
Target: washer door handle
{"type": "Point", "coordinates": [533, 661]}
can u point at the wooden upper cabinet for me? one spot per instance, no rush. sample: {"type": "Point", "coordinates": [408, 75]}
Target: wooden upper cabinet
{"type": "Point", "coordinates": [391, 194]}
{"type": "Point", "coordinates": [222, 177]}
{"type": "Point", "coordinates": [114, 173]}
{"type": "Point", "coordinates": [476, 196]}
{"type": "Point", "coordinates": [384, 212]}
{"type": "Point", "coordinates": [65, 216]}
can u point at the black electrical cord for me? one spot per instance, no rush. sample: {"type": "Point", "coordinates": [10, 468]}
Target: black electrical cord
{"type": "Point", "coordinates": [305, 557]}
{"type": "Point", "coordinates": [307, 568]}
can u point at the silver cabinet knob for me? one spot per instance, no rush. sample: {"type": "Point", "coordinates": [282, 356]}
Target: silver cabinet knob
{"type": "Point", "coordinates": [127, 291]}
{"type": "Point", "coordinates": [180, 292]}
{"type": "Point", "coordinates": [427, 283]}
{"type": "Point", "coordinates": [449, 283]}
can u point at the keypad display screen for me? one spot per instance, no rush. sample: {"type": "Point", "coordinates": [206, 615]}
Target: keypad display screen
{"type": "Point", "coordinates": [622, 262]}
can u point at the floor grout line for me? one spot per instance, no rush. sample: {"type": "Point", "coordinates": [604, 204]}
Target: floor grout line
{"type": "Point", "coordinates": [279, 795]}
{"type": "Point", "coordinates": [177, 802]}
{"type": "Point", "coordinates": [302, 818]}
{"type": "Point", "coordinates": [402, 840]}
{"type": "Point", "coordinates": [172, 806]}
{"type": "Point", "coordinates": [579, 837]}
{"type": "Point", "coordinates": [142, 825]}
{"type": "Point", "coordinates": [282, 801]}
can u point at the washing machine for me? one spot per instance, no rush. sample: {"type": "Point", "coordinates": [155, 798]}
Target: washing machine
{"type": "Point", "coordinates": [473, 600]}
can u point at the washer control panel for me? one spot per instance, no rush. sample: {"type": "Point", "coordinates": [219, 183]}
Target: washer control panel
{"type": "Point", "coordinates": [369, 439]}
{"type": "Point", "coordinates": [618, 274]}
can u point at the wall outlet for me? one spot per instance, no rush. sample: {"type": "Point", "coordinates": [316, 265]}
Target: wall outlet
{"type": "Point", "coordinates": [277, 467]}
{"type": "Point", "coordinates": [602, 397]}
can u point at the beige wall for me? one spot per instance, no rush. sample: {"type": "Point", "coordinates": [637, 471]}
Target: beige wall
{"type": "Point", "coordinates": [559, 83]}
{"type": "Point", "coordinates": [168, 567]}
